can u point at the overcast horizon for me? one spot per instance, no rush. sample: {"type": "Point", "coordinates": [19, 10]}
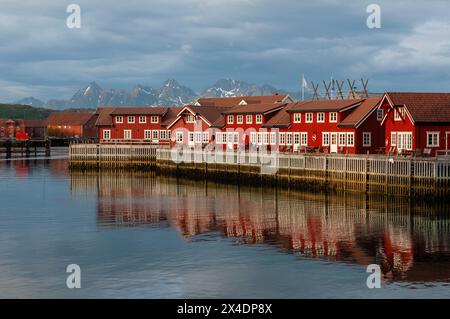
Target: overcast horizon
{"type": "Point", "coordinates": [198, 42]}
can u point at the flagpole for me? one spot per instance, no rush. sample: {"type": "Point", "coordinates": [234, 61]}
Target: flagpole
{"type": "Point", "coordinates": [303, 87]}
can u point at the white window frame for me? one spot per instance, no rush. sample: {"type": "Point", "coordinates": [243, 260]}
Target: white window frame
{"type": "Point", "coordinates": [266, 138]}
{"type": "Point", "coordinates": [205, 137]}
{"type": "Point", "coordinates": [142, 119]}
{"type": "Point", "coordinates": [259, 138]}
{"type": "Point", "coordinates": [404, 141]}
{"type": "Point", "coordinates": [320, 117]}
{"type": "Point", "coordinates": [179, 137]}
{"type": "Point", "coordinates": [147, 134]}
{"type": "Point", "coordinates": [342, 139]}
{"type": "Point", "coordinates": [289, 138]}
{"type": "Point", "coordinates": [380, 114]}
{"type": "Point", "coordinates": [253, 138]}
{"type": "Point", "coordinates": [399, 113]}
{"type": "Point", "coordinates": [297, 117]}
{"type": "Point", "coordinates": [106, 134]}
{"type": "Point", "coordinates": [247, 117]}
{"type": "Point", "coordinates": [154, 119]}
{"type": "Point", "coordinates": [350, 139]}
{"type": "Point", "coordinates": [282, 138]}
{"type": "Point", "coordinates": [259, 119]}
{"type": "Point", "coordinates": [309, 118]}
{"type": "Point", "coordinates": [163, 135]}
{"type": "Point", "coordinates": [296, 139]}
{"type": "Point", "coordinates": [273, 138]}
{"type": "Point", "coordinates": [304, 139]}
{"type": "Point", "coordinates": [240, 119]}
{"type": "Point", "coordinates": [367, 139]}
{"type": "Point", "coordinates": [435, 134]}
{"type": "Point", "coordinates": [125, 133]}
{"type": "Point", "coordinates": [189, 118]}
{"type": "Point", "coordinates": [236, 138]}
{"type": "Point", "coordinates": [393, 138]}
{"type": "Point", "coordinates": [230, 119]}
{"type": "Point", "coordinates": [325, 139]}
{"type": "Point", "coordinates": [131, 119]}
{"type": "Point", "coordinates": [119, 119]}
{"type": "Point", "coordinates": [198, 137]}
{"type": "Point", "coordinates": [155, 137]}
{"type": "Point", "coordinates": [333, 117]}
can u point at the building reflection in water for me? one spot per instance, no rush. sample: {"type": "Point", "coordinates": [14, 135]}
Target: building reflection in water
{"type": "Point", "coordinates": [410, 241]}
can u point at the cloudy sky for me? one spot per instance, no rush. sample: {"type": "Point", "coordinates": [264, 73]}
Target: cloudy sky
{"type": "Point", "coordinates": [199, 41]}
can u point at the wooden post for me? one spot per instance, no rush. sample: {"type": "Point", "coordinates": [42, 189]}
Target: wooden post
{"type": "Point", "coordinates": [47, 145]}
{"type": "Point", "coordinates": [8, 145]}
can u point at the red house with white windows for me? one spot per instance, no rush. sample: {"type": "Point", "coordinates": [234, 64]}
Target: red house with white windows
{"type": "Point", "coordinates": [334, 126]}
{"type": "Point", "coordinates": [416, 122]}
{"type": "Point", "coordinates": [244, 125]}
{"type": "Point", "coordinates": [243, 100]}
{"type": "Point", "coordinates": [135, 124]}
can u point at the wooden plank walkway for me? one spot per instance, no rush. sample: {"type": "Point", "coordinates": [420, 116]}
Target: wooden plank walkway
{"type": "Point", "coordinates": [377, 174]}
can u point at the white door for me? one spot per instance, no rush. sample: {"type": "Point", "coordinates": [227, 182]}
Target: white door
{"type": "Point", "coordinates": [127, 134]}
{"type": "Point", "coordinates": [191, 142]}
{"type": "Point", "coordinates": [333, 142]}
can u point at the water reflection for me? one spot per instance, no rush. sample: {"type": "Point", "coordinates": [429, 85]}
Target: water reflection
{"type": "Point", "coordinates": [410, 241]}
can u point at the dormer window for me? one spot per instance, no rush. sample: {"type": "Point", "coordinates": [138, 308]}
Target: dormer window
{"type": "Point", "coordinates": [399, 114]}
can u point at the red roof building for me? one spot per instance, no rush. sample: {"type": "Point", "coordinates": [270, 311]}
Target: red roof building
{"type": "Point", "coordinates": [416, 122]}
{"type": "Point", "coordinates": [243, 100]}
{"type": "Point", "coordinates": [72, 124]}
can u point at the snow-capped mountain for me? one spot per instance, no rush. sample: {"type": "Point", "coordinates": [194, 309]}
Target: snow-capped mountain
{"type": "Point", "coordinates": [170, 93]}
{"type": "Point", "coordinates": [31, 101]}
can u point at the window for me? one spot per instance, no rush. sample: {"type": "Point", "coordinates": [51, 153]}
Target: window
{"type": "Point", "coordinates": [154, 119]}
{"type": "Point", "coordinates": [432, 139]}
{"type": "Point", "coordinates": [304, 140]}
{"type": "Point", "coordinates": [399, 114]}
{"type": "Point", "coordinates": [253, 137]}
{"type": "Point", "coordinates": [240, 119]}
{"type": "Point", "coordinates": [248, 119]}
{"type": "Point", "coordinates": [309, 118]}
{"type": "Point", "coordinates": [189, 118]}
{"type": "Point", "coordinates": [236, 138]}
{"type": "Point", "coordinates": [320, 117]}
{"type": "Point", "coordinates": [106, 134]}
{"type": "Point", "coordinates": [127, 134]}
{"type": "Point", "coordinates": [325, 139]}
{"type": "Point", "coordinates": [147, 134]}
{"type": "Point", "coordinates": [179, 137]}
{"type": "Point", "coordinates": [119, 119]}
{"type": "Point", "coordinates": [288, 138]}
{"type": "Point", "coordinates": [230, 137]}
{"type": "Point", "coordinates": [163, 135]}
{"type": "Point", "coordinates": [169, 134]}
{"type": "Point", "coordinates": [155, 134]}
{"type": "Point", "coordinates": [282, 138]}
{"type": "Point", "coordinates": [296, 138]}
{"type": "Point", "coordinates": [205, 137]}
{"type": "Point", "coordinates": [297, 118]}
{"type": "Point", "coordinates": [367, 139]}
{"type": "Point", "coordinates": [266, 138]}
{"type": "Point", "coordinates": [191, 137]}
{"type": "Point", "coordinates": [393, 139]}
{"type": "Point", "coordinates": [380, 114]}
{"type": "Point", "coordinates": [350, 139]}
{"type": "Point", "coordinates": [259, 141]}
{"type": "Point", "coordinates": [404, 141]}
{"type": "Point", "coordinates": [333, 117]}
{"type": "Point", "coordinates": [342, 139]}
{"type": "Point", "coordinates": [273, 138]}
{"type": "Point", "coordinates": [230, 119]}
{"type": "Point", "coordinates": [259, 119]}
{"type": "Point", "coordinates": [198, 137]}
{"type": "Point", "coordinates": [224, 138]}
{"type": "Point", "coordinates": [131, 119]}
{"type": "Point", "coordinates": [142, 119]}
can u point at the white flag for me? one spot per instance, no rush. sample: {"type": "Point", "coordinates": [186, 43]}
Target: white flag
{"type": "Point", "coordinates": [304, 83]}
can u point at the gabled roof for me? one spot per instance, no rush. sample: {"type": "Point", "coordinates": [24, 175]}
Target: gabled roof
{"type": "Point", "coordinates": [233, 101]}
{"type": "Point", "coordinates": [282, 119]}
{"type": "Point", "coordinates": [34, 123]}
{"type": "Point", "coordinates": [140, 111]}
{"type": "Point", "coordinates": [171, 115]}
{"type": "Point", "coordinates": [324, 105]}
{"type": "Point", "coordinates": [359, 114]}
{"type": "Point", "coordinates": [104, 116]}
{"type": "Point", "coordinates": [423, 107]}
{"type": "Point", "coordinates": [209, 114]}
{"type": "Point", "coordinates": [69, 118]}
{"type": "Point", "coordinates": [262, 108]}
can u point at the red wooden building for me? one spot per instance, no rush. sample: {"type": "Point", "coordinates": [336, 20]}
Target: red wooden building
{"type": "Point", "coordinates": [72, 124]}
{"type": "Point", "coordinates": [335, 126]}
{"type": "Point", "coordinates": [418, 122]}
{"type": "Point", "coordinates": [135, 124]}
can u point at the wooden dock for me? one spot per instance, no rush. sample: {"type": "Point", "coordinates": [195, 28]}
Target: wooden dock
{"type": "Point", "coordinates": [26, 148]}
{"type": "Point", "coordinates": [377, 174]}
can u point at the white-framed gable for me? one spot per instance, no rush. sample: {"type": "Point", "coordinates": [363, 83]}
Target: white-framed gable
{"type": "Point", "coordinates": [392, 107]}
{"type": "Point", "coordinates": [187, 110]}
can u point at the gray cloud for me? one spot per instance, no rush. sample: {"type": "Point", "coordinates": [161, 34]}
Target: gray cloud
{"type": "Point", "coordinates": [198, 41]}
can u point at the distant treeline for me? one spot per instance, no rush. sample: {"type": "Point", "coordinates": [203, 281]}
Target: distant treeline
{"type": "Point", "coordinates": [27, 112]}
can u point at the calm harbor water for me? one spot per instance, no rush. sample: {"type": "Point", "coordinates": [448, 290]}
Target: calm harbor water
{"type": "Point", "coordinates": [138, 235]}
